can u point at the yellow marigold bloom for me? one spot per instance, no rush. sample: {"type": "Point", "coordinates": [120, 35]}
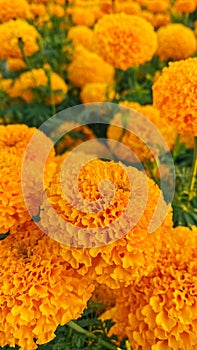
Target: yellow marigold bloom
{"type": "Point", "coordinates": [88, 67]}
{"type": "Point", "coordinates": [132, 141]}
{"type": "Point", "coordinates": [38, 77]}
{"type": "Point", "coordinates": [96, 92]}
{"type": "Point", "coordinates": [13, 9]}
{"type": "Point", "coordinates": [129, 7]}
{"type": "Point", "coordinates": [15, 64]}
{"type": "Point", "coordinates": [185, 6]}
{"type": "Point", "coordinates": [160, 310]}
{"type": "Point", "coordinates": [81, 35]}
{"type": "Point", "coordinates": [130, 255]}
{"type": "Point", "coordinates": [148, 16]}
{"type": "Point", "coordinates": [11, 32]}
{"type": "Point", "coordinates": [38, 289]}
{"type": "Point", "coordinates": [175, 93]}
{"type": "Point", "coordinates": [156, 6]}
{"type": "Point", "coordinates": [176, 42]}
{"type": "Point", "coordinates": [124, 40]}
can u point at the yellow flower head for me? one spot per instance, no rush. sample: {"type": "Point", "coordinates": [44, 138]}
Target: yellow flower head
{"type": "Point", "coordinates": [38, 77]}
{"type": "Point", "coordinates": [124, 40]}
{"type": "Point", "coordinates": [37, 10]}
{"type": "Point", "coordinates": [185, 6]}
{"type": "Point", "coordinates": [81, 35]}
{"type": "Point", "coordinates": [12, 9]}
{"type": "Point", "coordinates": [56, 10]}
{"type": "Point", "coordinates": [88, 67]}
{"type": "Point", "coordinates": [10, 34]}
{"type": "Point", "coordinates": [119, 260]}
{"type": "Point", "coordinates": [132, 141]}
{"type": "Point", "coordinates": [83, 17]}
{"type": "Point", "coordinates": [96, 92]}
{"type": "Point", "coordinates": [176, 42]}
{"type": "Point", "coordinates": [160, 309]}
{"type": "Point", "coordinates": [175, 94]}
{"type": "Point", "coordinates": [38, 289]}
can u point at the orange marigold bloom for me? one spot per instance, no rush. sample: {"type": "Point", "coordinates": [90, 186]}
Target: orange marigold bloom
{"type": "Point", "coordinates": [83, 17]}
{"type": "Point", "coordinates": [129, 255]}
{"type": "Point", "coordinates": [88, 67]}
{"type": "Point", "coordinates": [175, 94]}
{"type": "Point", "coordinates": [38, 77]}
{"type": "Point", "coordinates": [124, 40]}
{"type": "Point", "coordinates": [13, 9]}
{"type": "Point", "coordinates": [14, 140]}
{"type": "Point", "coordinates": [81, 35]}
{"type": "Point", "coordinates": [97, 92]}
{"type": "Point", "coordinates": [56, 10]}
{"type": "Point", "coordinates": [176, 42]}
{"type": "Point", "coordinates": [37, 10]}
{"type": "Point", "coordinates": [38, 289]}
{"type": "Point", "coordinates": [185, 6]}
{"type": "Point", "coordinates": [16, 64]}
{"type": "Point", "coordinates": [129, 7]}
{"type": "Point", "coordinates": [132, 141]}
{"type": "Point", "coordinates": [161, 19]}
{"type": "Point", "coordinates": [13, 31]}
{"type": "Point", "coordinates": [156, 5]}
{"type": "Point", "coordinates": [160, 309]}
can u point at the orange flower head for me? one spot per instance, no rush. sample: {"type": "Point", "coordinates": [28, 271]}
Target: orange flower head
{"type": "Point", "coordinates": [39, 290]}
{"type": "Point", "coordinates": [97, 92]}
{"type": "Point", "coordinates": [124, 40]}
{"type": "Point", "coordinates": [11, 33]}
{"type": "Point", "coordinates": [109, 253]}
{"type": "Point", "coordinates": [160, 309]}
{"type": "Point", "coordinates": [175, 94]}
{"type": "Point", "coordinates": [13, 9]}
{"type": "Point", "coordinates": [81, 35]}
{"type": "Point", "coordinates": [176, 42]}
{"type": "Point", "coordinates": [185, 6]}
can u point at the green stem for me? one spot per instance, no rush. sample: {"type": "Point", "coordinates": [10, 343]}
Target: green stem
{"type": "Point", "coordinates": [91, 335]}
{"type": "Point", "coordinates": [194, 171]}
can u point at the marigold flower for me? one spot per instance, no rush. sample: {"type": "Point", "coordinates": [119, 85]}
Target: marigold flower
{"type": "Point", "coordinates": [16, 64]}
{"type": "Point", "coordinates": [38, 77]}
{"type": "Point", "coordinates": [13, 9]}
{"type": "Point", "coordinates": [129, 7]}
{"type": "Point", "coordinates": [14, 140]}
{"type": "Point", "coordinates": [38, 289]}
{"type": "Point", "coordinates": [88, 67]}
{"type": "Point", "coordinates": [83, 17]}
{"type": "Point", "coordinates": [160, 309]}
{"type": "Point", "coordinates": [156, 5]}
{"type": "Point", "coordinates": [132, 141]}
{"type": "Point", "coordinates": [56, 10]}
{"type": "Point", "coordinates": [185, 6]}
{"type": "Point", "coordinates": [175, 93]}
{"type": "Point", "coordinates": [37, 10]}
{"type": "Point", "coordinates": [10, 34]}
{"type": "Point", "coordinates": [81, 35]}
{"type": "Point", "coordinates": [96, 92]}
{"type": "Point", "coordinates": [124, 40]}
{"type": "Point", "coordinates": [176, 42]}
{"type": "Point", "coordinates": [161, 19]}
{"type": "Point", "coordinates": [131, 254]}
